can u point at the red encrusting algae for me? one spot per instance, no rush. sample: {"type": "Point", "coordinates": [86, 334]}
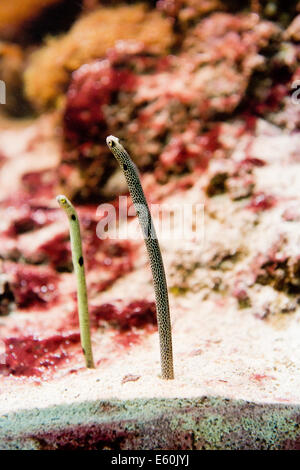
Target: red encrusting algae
{"type": "Point", "coordinates": [29, 355]}
{"type": "Point", "coordinates": [32, 286]}
{"type": "Point", "coordinates": [136, 314]}
{"type": "Point", "coordinates": [251, 162]}
{"type": "Point", "coordinates": [90, 90]}
{"type": "Point", "coordinates": [57, 251]}
{"type": "Point", "coordinates": [40, 183]}
{"type": "Point", "coordinates": [26, 216]}
{"type": "Point", "coordinates": [194, 152]}
{"type": "Point", "coordinates": [261, 202]}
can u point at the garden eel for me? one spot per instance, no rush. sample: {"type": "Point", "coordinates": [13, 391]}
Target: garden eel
{"type": "Point", "coordinates": [78, 264]}
{"type": "Point", "coordinates": [158, 273]}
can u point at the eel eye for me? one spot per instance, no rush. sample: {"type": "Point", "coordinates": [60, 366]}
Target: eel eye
{"type": "Point", "coordinates": [63, 200]}
{"type": "Point", "coordinates": [111, 143]}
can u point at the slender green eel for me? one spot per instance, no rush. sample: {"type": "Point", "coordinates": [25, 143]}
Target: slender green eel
{"type": "Point", "coordinates": [158, 273]}
{"type": "Point", "coordinates": [78, 264]}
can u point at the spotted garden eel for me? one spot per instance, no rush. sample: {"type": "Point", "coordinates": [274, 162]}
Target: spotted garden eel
{"type": "Point", "coordinates": [78, 264]}
{"type": "Point", "coordinates": [158, 273]}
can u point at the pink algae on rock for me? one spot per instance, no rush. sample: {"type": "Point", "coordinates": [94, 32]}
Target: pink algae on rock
{"type": "Point", "coordinates": [261, 202]}
{"type": "Point", "coordinates": [33, 287]}
{"type": "Point", "coordinates": [136, 314]}
{"type": "Point", "coordinates": [30, 355]}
